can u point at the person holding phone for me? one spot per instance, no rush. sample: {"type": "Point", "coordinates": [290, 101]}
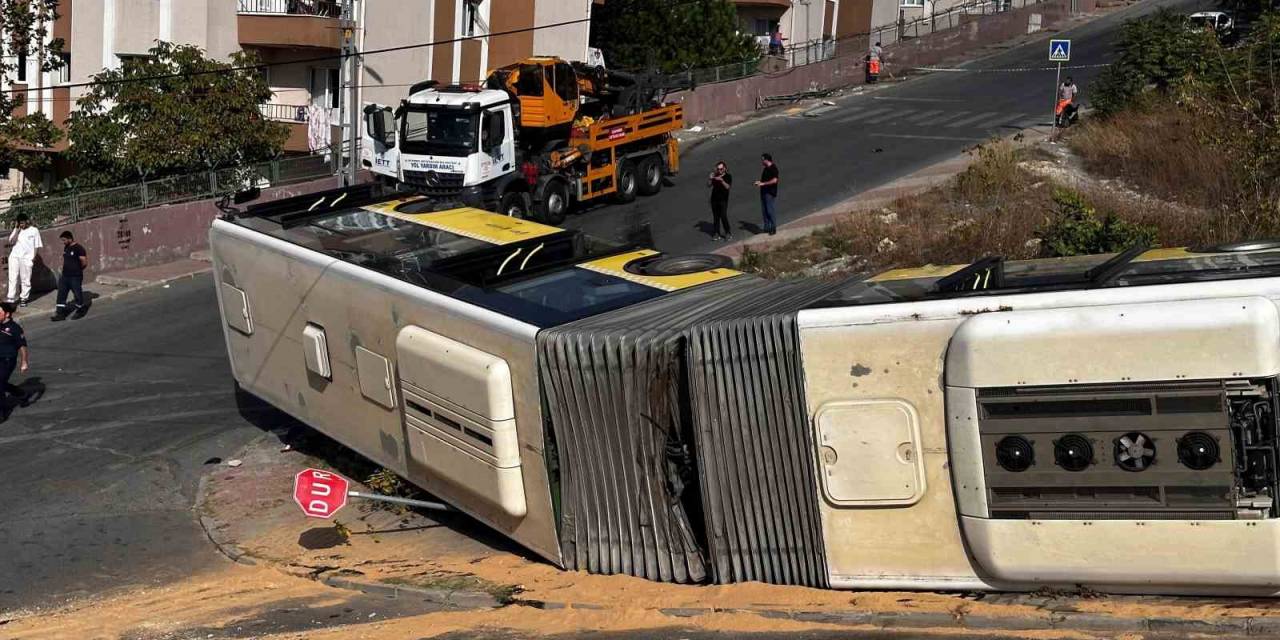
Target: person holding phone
{"type": "Point", "coordinates": [721, 182]}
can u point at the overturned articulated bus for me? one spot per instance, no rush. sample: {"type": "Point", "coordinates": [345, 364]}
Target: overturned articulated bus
{"type": "Point", "coordinates": [1107, 421]}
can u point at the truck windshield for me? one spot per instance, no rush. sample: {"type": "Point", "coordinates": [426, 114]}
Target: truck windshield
{"type": "Point", "coordinates": [439, 132]}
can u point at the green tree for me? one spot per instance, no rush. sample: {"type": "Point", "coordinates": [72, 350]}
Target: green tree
{"type": "Point", "coordinates": [670, 36]}
{"type": "Point", "coordinates": [1155, 52]}
{"type": "Point", "coordinates": [26, 25]}
{"type": "Point", "coordinates": [174, 111]}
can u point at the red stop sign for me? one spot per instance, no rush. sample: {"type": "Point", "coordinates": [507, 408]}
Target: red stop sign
{"type": "Point", "coordinates": [320, 493]}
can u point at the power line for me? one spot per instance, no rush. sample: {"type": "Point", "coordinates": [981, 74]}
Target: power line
{"type": "Point", "coordinates": [332, 57]}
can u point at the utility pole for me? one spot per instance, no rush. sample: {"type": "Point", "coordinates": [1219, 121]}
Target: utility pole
{"type": "Point", "coordinates": [350, 111]}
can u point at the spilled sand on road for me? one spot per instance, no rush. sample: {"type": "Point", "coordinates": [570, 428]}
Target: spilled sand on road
{"type": "Point", "coordinates": [218, 599]}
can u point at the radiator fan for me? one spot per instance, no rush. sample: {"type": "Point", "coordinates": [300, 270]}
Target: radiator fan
{"type": "Point", "coordinates": [1014, 453]}
{"type": "Point", "coordinates": [1135, 451]}
{"type": "Point", "coordinates": [1073, 452]}
{"type": "Point", "coordinates": [1198, 451]}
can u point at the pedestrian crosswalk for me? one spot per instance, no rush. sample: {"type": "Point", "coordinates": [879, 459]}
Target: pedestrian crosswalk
{"type": "Point", "coordinates": [923, 117]}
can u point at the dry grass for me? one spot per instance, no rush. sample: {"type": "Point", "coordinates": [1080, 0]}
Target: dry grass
{"type": "Point", "coordinates": [1162, 150]}
{"type": "Point", "coordinates": [995, 207]}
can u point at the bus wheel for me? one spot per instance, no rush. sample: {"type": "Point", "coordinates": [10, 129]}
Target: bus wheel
{"type": "Point", "coordinates": [555, 202]}
{"type": "Point", "coordinates": [650, 175]}
{"type": "Point", "coordinates": [627, 182]}
{"type": "Point", "coordinates": [513, 204]}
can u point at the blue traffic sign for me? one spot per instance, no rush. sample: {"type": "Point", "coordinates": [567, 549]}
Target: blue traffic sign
{"type": "Point", "coordinates": [1059, 50]}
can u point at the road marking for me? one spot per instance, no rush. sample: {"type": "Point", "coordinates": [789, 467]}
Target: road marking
{"type": "Point", "coordinates": [997, 120]}
{"type": "Point", "coordinates": [951, 115]}
{"type": "Point", "coordinates": [916, 99]}
{"type": "Point", "coordinates": [914, 137]}
{"type": "Point", "coordinates": [860, 114]}
{"type": "Point", "coordinates": [893, 113]}
{"type": "Point", "coordinates": [985, 115]}
{"type": "Point", "coordinates": [922, 117]}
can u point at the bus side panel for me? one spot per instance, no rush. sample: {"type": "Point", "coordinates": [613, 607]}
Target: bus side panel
{"type": "Point", "coordinates": [289, 287]}
{"type": "Point", "coordinates": [874, 395]}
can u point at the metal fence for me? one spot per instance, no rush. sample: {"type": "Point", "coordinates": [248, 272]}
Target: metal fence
{"type": "Point", "coordinates": [322, 8]}
{"type": "Point", "coordinates": [804, 53]}
{"type": "Point", "coordinates": [284, 112]}
{"type": "Point", "coordinates": [84, 205]}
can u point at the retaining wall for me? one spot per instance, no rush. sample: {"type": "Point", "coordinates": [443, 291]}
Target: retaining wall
{"type": "Point", "coordinates": [712, 101]}
{"type": "Point", "coordinates": [141, 238]}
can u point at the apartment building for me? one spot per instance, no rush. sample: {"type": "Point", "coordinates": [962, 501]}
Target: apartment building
{"type": "Point", "coordinates": [301, 41]}
{"type": "Point", "coordinates": [815, 30]}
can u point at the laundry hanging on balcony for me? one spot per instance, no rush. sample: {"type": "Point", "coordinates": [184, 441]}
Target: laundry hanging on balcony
{"type": "Point", "coordinates": [318, 128]}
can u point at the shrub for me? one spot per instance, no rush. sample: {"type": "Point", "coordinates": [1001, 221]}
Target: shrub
{"type": "Point", "coordinates": [993, 175]}
{"type": "Point", "coordinates": [1158, 51]}
{"type": "Point", "coordinates": [1076, 228]}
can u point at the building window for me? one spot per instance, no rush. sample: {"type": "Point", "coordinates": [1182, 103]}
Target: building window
{"type": "Point", "coordinates": [22, 66]}
{"type": "Point", "coordinates": [912, 3]}
{"type": "Point", "coordinates": [335, 91]}
{"type": "Point", "coordinates": [62, 75]}
{"type": "Point", "coordinates": [470, 17]}
{"type": "Point", "coordinates": [764, 27]}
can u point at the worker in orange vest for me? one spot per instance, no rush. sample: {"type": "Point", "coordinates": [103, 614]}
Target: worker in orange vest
{"type": "Point", "coordinates": [873, 63]}
{"type": "Point", "coordinates": [1065, 109]}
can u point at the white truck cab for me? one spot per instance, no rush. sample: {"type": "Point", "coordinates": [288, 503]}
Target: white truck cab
{"type": "Point", "coordinates": [452, 142]}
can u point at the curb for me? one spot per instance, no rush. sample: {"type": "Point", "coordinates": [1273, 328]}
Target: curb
{"type": "Point", "coordinates": [137, 283]}
{"type": "Point", "coordinates": [224, 545]}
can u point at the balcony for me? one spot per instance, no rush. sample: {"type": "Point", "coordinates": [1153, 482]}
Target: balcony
{"type": "Point", "coordinates": [297, 24]}
{"type": "Point", "coordinates": [295, 116]}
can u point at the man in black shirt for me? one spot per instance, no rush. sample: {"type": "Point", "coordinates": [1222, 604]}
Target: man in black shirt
{"type": "Point", "coordinates": [74, 260]}
{"type": "Point", "coordinates": [13, 351]}
{"type": "Point", "coordinates": [720, 182]}
{"type": "Point", "coordinates": [768, 184]}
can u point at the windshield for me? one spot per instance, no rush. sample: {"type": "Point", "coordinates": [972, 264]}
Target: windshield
{"type": "Point", "coordinates": [439, 132]}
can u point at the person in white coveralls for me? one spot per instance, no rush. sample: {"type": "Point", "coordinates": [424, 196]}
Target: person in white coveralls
{"type": "Point", "coordinates": [25, 240]}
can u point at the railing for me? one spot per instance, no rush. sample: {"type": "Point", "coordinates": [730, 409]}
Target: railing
{"type": "Point", "coordinates": [83, 205]}
{"type": "Point", "coordinates": [803, 53]}
{"type": "Point", "coordinates": [284, 112]}
{"type": "Point", "coordinates": [322, 8]}
{"type": "Point", "coordinates": [293, 113]}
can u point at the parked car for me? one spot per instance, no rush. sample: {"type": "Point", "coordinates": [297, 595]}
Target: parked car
{"type": "Point", "coordinates": [1222, 24]}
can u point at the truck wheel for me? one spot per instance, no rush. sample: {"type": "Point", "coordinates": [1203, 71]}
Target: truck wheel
{"type": "Point", "coordinates": [513, 204]}
{"type": "Point", "coordinates": [555, 203]}
{"type": "Point", "coordinates": [627, 182]}
{"type": "Point", "coordinates": [650, 175]}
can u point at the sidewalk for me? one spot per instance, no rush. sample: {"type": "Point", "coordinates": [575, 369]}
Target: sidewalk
{"type": "Point", "coordinates": [248, 511]}
{"type": "Point", "coordinates": [108, 286]}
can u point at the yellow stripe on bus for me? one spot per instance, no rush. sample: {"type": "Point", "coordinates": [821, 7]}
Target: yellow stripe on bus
{"type": "Point", "coordinates": [927, 271]}
{"type": "Point", "coordinates": [615, 266]}
{"type": "Point", "coordinates": [471, 223]}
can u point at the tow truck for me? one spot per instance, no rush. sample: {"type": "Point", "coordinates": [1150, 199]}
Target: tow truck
{"type": "Point", "coordinates": [537, 138]}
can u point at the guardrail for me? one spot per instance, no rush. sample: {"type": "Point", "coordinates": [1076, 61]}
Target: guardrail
{"type": "Point", "coordinates": [84, 205]}
{"type": "Point", "coordinates": [321, 8]}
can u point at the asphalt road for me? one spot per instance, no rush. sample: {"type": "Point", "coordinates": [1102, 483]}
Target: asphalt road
{"type": "Point", "coordinates": [868, 140]}
{"type": "Point", "coordinates": [99, 475]}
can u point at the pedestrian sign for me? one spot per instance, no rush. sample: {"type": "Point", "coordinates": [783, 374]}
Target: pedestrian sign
{"type": "Point", "coordinates": [1059, 50]}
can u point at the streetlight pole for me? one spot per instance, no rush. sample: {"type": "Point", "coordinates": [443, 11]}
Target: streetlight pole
{"type": "Point", "coordinates": [350, 111]}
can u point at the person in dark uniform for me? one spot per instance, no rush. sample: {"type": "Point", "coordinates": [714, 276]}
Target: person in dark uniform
{"type": "Point", "coordinates": [13, 350]}
{"type": "Point", "coordinates": [74, 260]}
{"type": "Point", "coordinates": [720, 181]}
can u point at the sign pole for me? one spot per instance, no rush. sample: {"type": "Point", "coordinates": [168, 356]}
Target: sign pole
{"type": "Point", "coordinates": [1053, 132]}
